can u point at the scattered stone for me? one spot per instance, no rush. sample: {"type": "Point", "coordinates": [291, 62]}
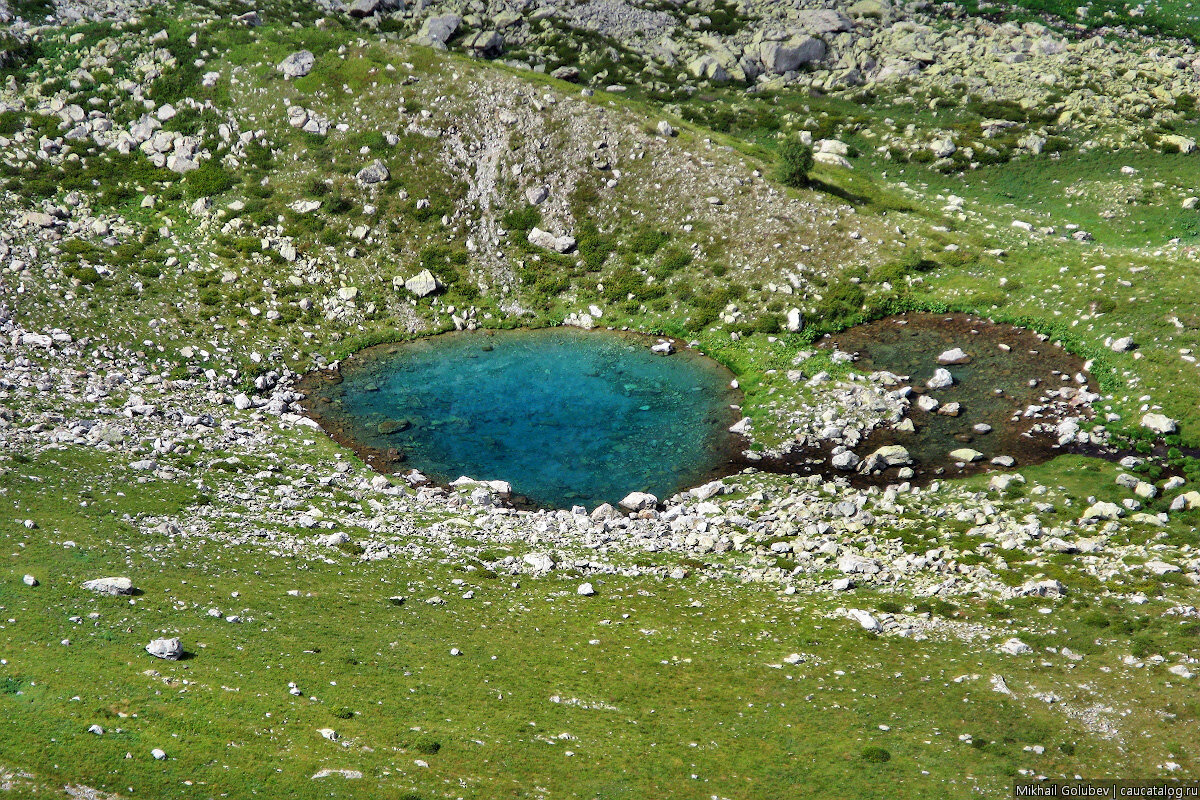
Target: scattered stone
{"type": "Point", "coordinates": [423, 284]}
{"type": "Point", "coordinates": [375, 172]}
{"type": "Point", "coordinates": [170, 649]}
{"type": "Point", "coordinates": [297, 65]}
{"type": "Point", "coordinates": [1160, 423]}
{"type": "Point", "coordinates": [1015, 647]}
{"type": "Point", "coordinates": [639, 501]}
{"type": "Point", "coordinates": [864, 618]}
{"type": "Point", "coordinates": [952, 357]}
{"type": "Point", "coordinates": [941, 379]}
{"type": "Point", "coordinates": [110, 586]}
{"type": "Point", "coordinates": [348, 774]}
{"type": "Point", "coordinates": [559, 244]}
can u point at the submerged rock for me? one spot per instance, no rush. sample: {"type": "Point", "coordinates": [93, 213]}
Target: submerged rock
{"type": "Point", "coordinates": [941, 379]}
{"type": "Point", "coordinates": [952, 357]}
{"type": "Point", "coordinates": [892, 455]}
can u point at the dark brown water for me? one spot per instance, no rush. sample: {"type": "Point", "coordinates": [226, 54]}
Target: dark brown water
{"type": "Point", "coordinates": [1010, 369]}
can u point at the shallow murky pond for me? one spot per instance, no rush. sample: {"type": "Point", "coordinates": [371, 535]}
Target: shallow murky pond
{"type": "Point", "coordinates": [565, 416]}
{"type": "Point", "coordinates": [1011, 380]}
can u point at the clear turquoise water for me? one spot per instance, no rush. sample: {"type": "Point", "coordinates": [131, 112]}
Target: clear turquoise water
{"type": "Point", "coordinates": [568, 417]}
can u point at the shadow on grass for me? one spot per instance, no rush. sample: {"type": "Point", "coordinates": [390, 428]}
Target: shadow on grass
{"type": "Point", "coordinates": [840, 192]}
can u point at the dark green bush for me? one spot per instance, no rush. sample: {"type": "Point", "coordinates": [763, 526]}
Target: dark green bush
{"type": "Point", "coordinates": [794, 163]}
{"type": "Point", "coordinates": [876, 755]}
{"type": "Point", "coordinates": [208, 180]}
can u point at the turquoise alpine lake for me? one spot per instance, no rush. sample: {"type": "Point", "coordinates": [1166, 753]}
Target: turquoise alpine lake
{"type": "Point", "coordinates": [567, 417]}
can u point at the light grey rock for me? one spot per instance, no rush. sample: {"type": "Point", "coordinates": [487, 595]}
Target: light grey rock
{"type": "Point", "coordinates": [664, 128]}
{"type": "Point", "coordinates": [1122, 345]}
{"type": "Point", "coordinates": [436, 30]}
{"type": "Point", "coordinates": [1046, 588]}
{"type": "Point", "coordinates": [169, 649]}
{"type": "Point", "coordinates": [536, 195]}
{"type": "Point", "coordinates": [892, 455]}
{"type": "Point", "coordinates": [952, 357]}
{"type": "Point", "coordinates": [846, 460]}
{"type": "Point", "coordinates": [966, 454]}
{"type": "Point", "coordinates": [941, 379]}
{"type": "Point", "coordinates": [29, 581]}
{"type": "Point", "coordinates": [485, 44]}
{"type": "Point", "coordinates": [1015, 647]}
{"type": "Point", "coordinates": [865, 619]}
{"type": "Point", "coordinates": [794, 320]}
{"type": "Point", "coordinates": [1160, 423]}
{"type": "Point", "coordinates": [568, 74]}
{"type": "Point", "coordinates": [1102, 510]}
{"type": "Point", "coordinates": [821, 21]}
{"type": "Point", "coordinates": [110, 586]}
{"type": "Point", "coordinates": [585, 590]}
{"type": "Point", "coordinates": [778, 58]}
{"type": "Point", "coordinates": [559, 244]}
{"type": "Point", "coordinates": [539, 562]}
{"type": "Point", "coordinates": [639, 501]}
{"type": "Point", "coordinates": [375, 172]}
{"type": "Point", "coordinates": [297, 65]}
{"type": "Point", "coordinates": [423, 284]}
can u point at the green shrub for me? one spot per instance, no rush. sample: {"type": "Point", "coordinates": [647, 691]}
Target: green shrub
{"type": "Point", "coordinates": [594, 248]}
{"type": "Point", "coordinates": [522, 220]}
{"type": "Point", "coordinates": [794, 163]}
{"type": "Point", "coordinates": [842, 300]}
{"type": "Point", "coordinates": [427, 746]}
{"type": "Point", "coordinates": [875, 755]}
{"type": "Point", "coordinates": [647, 241]}
{"type": "Point", "coordinates": [674, 259]}
{"type": "Point", "coordinates": [11, 122]}
{"type": "Point", "coordinates": [87, 276]}
{"type": "Point", "coordinates": [208, 180]}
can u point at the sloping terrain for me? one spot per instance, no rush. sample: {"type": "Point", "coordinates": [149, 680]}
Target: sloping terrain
{"type": "Point", "coordinates": [202, 202]}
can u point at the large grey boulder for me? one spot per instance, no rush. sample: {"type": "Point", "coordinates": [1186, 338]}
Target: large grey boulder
{"type": "Point", "coordinates": [823, 20]}
{"type": "Point", "coordinates": [436, 31]}
{"type": "Point", "coordinates": [110, 586]}
{"type": "Point", "coordinates": [559, 244]}
{"type": "Point", "coordinates": [941, 379]}
{"type": "Point", "coordinates": [780, 57]}
{"type": "Point", "coordinates": [170, 649]}
{"type": "Point", "coordinates": [1160, 423]}
{"type": "Point", "coordinates": [892, 455]}
{"type": "Point", "coordinates": [297, 65]}
{"type": "Point", "coordinates": [365, 8]}
{"type": "Point", "coordinates": [639, 501]}
{"type": "Point", "coordinates": [953, 356]}
{"type": "Point", "coordinates": [485, 44]}
{"type": "Point", "coordinates": [375, 172]}
{"type": "Point", "coordinates": [707, 67]}
{"type": "Point", "coordinates": [423, 284]}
